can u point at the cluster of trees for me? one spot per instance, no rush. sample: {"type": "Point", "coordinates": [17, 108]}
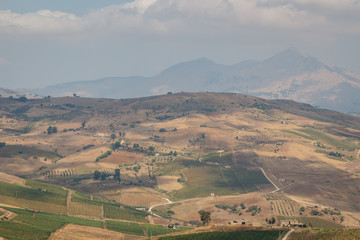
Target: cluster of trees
{"type": "Point", "coordinates": [171, 153]}
{"type": "Point", "coordinates": [271, 220]}
{"type": "Point", "coordinates": [336, 154]}
{"type": "Point", "coordinates": [135, 148]}
{"type": "Point", "coordinates": [2, 144]}
{"type": "Point", "coordinates": [205, 217]}
{"type": "Point", "coordinates": [52, 129]}
{"type": "Point", "coordinates": [103, 175]}
{"type": "Point", "coordinates": [104, 155]}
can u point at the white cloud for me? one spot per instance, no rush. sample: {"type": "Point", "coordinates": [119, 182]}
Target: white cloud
{"type": "Point", "coordinates": [43, 21]}
{"type": "Point", "coordinates": [171, 16]}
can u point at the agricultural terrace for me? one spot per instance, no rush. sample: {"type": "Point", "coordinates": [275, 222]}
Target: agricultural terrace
{"type": "Point", "coordinates": [38, 225]}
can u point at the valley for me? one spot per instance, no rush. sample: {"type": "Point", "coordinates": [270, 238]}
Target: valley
{"type": "Point", "coordinates": [135, 166]}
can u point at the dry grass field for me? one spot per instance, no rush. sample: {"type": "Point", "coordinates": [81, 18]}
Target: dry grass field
{"type": "Point", "coordinates": [168, 183]}
{"type": "Point", "coordinates": [78, 232]}
{"type": "Point", "coordinates": [137, 197]}
{"type": "Point", "coordinates": [11, 179]}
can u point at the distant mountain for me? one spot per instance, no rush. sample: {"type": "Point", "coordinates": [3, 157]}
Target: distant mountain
{"type": "Point", "coordinates": [287, 75]}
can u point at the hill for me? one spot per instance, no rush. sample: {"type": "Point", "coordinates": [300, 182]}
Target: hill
{"type": "Point", "coordinates": [240, 157]}
{"type": "Point", "coordinates": [287, 75]}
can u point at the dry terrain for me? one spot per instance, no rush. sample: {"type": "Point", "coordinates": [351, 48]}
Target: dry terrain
{"type": "Point", "coordinates": [182, 153]}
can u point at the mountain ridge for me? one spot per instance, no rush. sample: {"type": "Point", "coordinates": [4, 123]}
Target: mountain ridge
{"type": "Point", "coordinates": [288, 74]}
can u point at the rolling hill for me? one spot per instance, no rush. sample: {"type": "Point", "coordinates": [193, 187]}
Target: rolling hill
{"type": "Point", "coordinates": [240, 157]}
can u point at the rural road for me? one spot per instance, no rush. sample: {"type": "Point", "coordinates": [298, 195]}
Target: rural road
{"type": "Point", "coordinates": [287, 234]}
{"type": "Point", "coordinates": [170, 202]}
{"type": "Point", "coordinates": [277, 188]}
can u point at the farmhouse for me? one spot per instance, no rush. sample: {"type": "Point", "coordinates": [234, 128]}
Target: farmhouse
{"type": "Point", "coordinates": [289, 222]}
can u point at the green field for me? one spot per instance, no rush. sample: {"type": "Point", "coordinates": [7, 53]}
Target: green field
{"type": "Point", "coordinates": [35, 192]}
{"type": "Point", "coordinates": [337, 143]}
{"type": "Point", "coordinates": [31, 225]}
{"type": "Point", "coordinates": [138, 229]}
{"type": "Point", "coordinates": [250, 178]}
{"type": "Point", "coordinates": [239, 235]}
{"type": "Point", "coordinates": [84, 209]}
{"type": "Point", "coordinates": [36, 205]}
{"type": "Point", "coordinates": [202, 180]}
{"type": "Point", "coordinates": [154, 230]}
{"type": "Point", "coordinates": [125, 227]}
{"type": "Point", "coordinates": [124, 213]}
{"type": "Point", "coordinates": [320, 223]}
{"type": "Point", "coordinates": [86, 198]}
{"type": "Point", "coordinates": [9, 151]}
{"type": "Point", "coordinates": [226, 158]}
{"type": "Point", "coordinates": [325, 234]}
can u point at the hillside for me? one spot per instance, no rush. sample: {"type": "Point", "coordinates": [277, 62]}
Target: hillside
{"type": "Point", "coordinates": [236, 156]}
{"type": "Point", "coordinates": [287, 75]}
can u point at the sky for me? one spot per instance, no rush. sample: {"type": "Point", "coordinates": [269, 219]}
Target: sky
{"type": "Point", "coordinates": [46, 42]}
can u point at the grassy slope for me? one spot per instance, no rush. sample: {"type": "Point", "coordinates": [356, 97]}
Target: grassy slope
{"type": "Point", "coordinates": [30, 225]}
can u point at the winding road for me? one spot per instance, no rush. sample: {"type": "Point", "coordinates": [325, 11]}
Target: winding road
{"type": "Point", "coordinates": [277, 188]}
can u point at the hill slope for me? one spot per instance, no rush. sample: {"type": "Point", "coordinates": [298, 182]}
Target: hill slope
{"type": "Point", "coordinates": [190, 145]}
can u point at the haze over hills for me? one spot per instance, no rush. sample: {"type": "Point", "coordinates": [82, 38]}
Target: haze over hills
{"type": "Point", "coordinates": [289, 75]}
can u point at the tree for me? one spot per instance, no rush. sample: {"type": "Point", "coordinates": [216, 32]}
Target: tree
{"type": "Point", "coordinates": [113, 136]}
{"type": "Point", "coordinates": [52, 129]}
{"type": "Point", "coordinates": [205, 217]}
{"type": "Point", "coordinates": [103, 175]}
{"type": "Point", "coordinates": [2, 144]}
{"type": "Point", "coordinates": [97, 175]}
{"type": "Point", "coordinates": [83, 124]}
{"type": "Point", "coordinates": [22, 99]}
{"type": "Point", "coordinates": [151, 148]}
{"type": "Point", "coordinates": [162, 130]}
{"type": "Point", "coordinates": [117, 144]}
{"type": "Point", "coordinates": [175, 154]}
{"type": "Point", "coordinates": [117, 174]}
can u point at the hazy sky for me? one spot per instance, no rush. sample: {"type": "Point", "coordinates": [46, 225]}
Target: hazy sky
{"type": "Point", "coordinates": [43, 42]}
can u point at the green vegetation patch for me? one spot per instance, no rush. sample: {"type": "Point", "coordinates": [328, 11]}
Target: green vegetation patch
{"type": "Point", "coordinates": [202, 181]}
{"type": "Point", "coordinates": [85, 209]}
{"type": "Point", "coordinates": [42, 193]}
{"type": "Point", "coordinates": [36, 205]}
{"type": "Point", "coordinates": [125, 227]}
{"type": "Point", "coordinates": [125, 213]}
{"type": "Point", "coordinates": [250, 178]}
{"type": "Point", "coordinates": [248, 235]}
{"type": "Point", "coordinates": [339, 144]}
{"type": "Point", "coordinates": [320, 223]}
{"type": "Point", "coordinates": [299, 134]}
{"type": "Point", "coordinates": [9, 151]}
{"type": "Point", "coordinates": [165, 210]}
{"type": "Point", "coordinates": [223, 158]}
{"type": "Point", "coordinates": [325, 234]}
{"type": "Point", "coordinates": [38, 225]}
{"type": "Point", "coordinates": [154, 230]}
{"type": "Point", "coordinates": [86, 198]}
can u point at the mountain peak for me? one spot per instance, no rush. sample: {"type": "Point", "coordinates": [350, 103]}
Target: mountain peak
{"type": "Point", "coordinates": [291, 53]}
